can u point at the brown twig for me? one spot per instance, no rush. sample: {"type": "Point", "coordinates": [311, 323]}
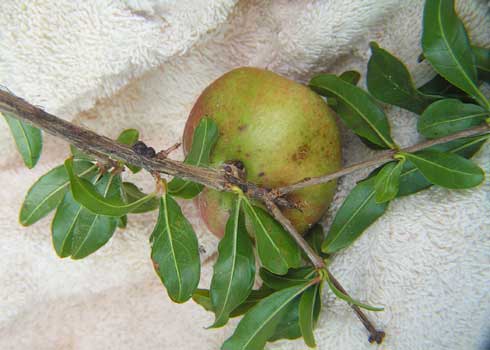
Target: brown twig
{"type": "Point", "coordinates": [384, 157]}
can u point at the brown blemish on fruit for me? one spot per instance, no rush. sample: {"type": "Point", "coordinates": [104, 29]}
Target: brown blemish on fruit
{"type": "Point", "coordinates": [242, 127]}
{"type": "Point", "coordinates": [261, 174]}
{"type": "Point", "coordinates": [301, 153]}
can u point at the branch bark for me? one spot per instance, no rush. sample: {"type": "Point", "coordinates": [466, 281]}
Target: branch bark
{"type": "Point", "coordinates": [384, 157]}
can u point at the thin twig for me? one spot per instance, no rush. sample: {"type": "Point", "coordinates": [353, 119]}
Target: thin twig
{"type": "Point", "coordinates": [374, 334]}
{"type": "Point", "coordinates": [384, 157]}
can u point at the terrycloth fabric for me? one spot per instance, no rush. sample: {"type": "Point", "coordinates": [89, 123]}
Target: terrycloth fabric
{"type": "Point", "coordinates": [110, 65]}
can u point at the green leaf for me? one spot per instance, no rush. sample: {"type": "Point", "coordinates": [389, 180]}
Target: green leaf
{"type": "Point", "coordinates": [449, 116]}
{"type": "Point", "coordinates": [315, 237]}
{"type": "Point", "coordinates": [441, 88]}
{"type": "Point", "coordinates": [356, 108]}
{"type": "Point", "coordinates": [351, 76]}
{"type": "Point", "coordinates": [133, 194]}
{"type": "Point", "coordinates": [288, 327]}
{"type": "Point", "coordinates": [387, 181]}
{"type": "Point", "coordinates": [259, 324]}
{"type": "Point", "coordinates": [412, 181]}
{"type": "Point", "coordinates": [203, 298]}
{"type": "Point", "coordinates": [175, 251]}
{"type": "Point", "coordinates": [78, 154]}
{"type": "Point", "coordinates": [48, 191]}
{"type": "Point", "coordinates": [78, 232]}
{"type": "Point", "coordinates": [85, 193]}
{"type": "Point", "coordinates": [447, 169]}
{"type": "Point", "coordinates": [129, 137]}
{"type": "Point", "coordinates": [446, 46]}
{"type": "Point", "coordinates": [276, 248]}
{"type": "Point", "coordinates": [389, 81]}
{"type": "Point", "coordinates": [28, 139]}
{"type": "Point", "coordinates": [482, 56]}
{"type": "Point", "coordinates": [293, 277]}
{"type": "Point", "coordinates": [205, 136]}
{"type": "Point", "coordinates": [253, 299]}
{"type": "Point", "coordinates": [309, 308]}
{"type": "Point", "coordinates": [350, 300]}
{"type": "Point", "coordinates": [357, 213]}
{"type": "Point", "coordinates": [234, 271]}
{"type": "Point", "coordinates": [122, 222]}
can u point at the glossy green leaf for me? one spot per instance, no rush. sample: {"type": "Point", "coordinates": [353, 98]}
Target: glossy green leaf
{"type": "Point", "coordinates": [129, 137]}
{"type": "Point", "coordinates": [293, 277]}
{"type": "Point", "coordinates": [175, 251]}
{"type": "Point", "coordinates": [205, 136]}
{"type": "Point", "coordinates": [449, 116]}
{"type": "Point", "coordinates": [288, 327]}
{"type": "Point", "coordinates": [482, 56]}
{"type": "Point", "coordinates": [356, 108]}
{"type": "Point", "coordinates": [350, 300]}
{"type": "Point", "coordinates": [357, 213]}
{"type": "Point", "coordinates": [351, 76]}
{"type": "Point", "coordinates": [390, 81]}
{"type": "Point", "coordinates": [309, 308]}
{"type": "Point", "coordinates": [315, 237]}
{"type": "Point", "coordinates": [28, 139]}
{"type": "Point", "coordinates": [234, 271]}
{"type": "Point", "coordinates": [276, 248]}
{"type": "Point", "coordinates": [412, 181]}
{"type": "Point", "coordinates": [439, 87]}
{"type": "Point", "coordinates": [133, 194]}
{"type": "Point", "coordinates": [48, 191]}
{"type": "Point", "coordinates": [387, 181]}
{"type": "Point", "coordinates": [122, 222]}
{"type": "Point", "coordinates": [203, 298]}
{"type": "Point", "coordinates": [260, 323]}
{"type": "Point", "coordinates": [446, 46]}
{"type": "Point", "coordinates": [76, 231]}
{"type": "Point", "coordinates": [78, 154]}
{"type": "Point", "coordinates": [447, 169]}
{"type": "Point", "coordinates": [85, 193]}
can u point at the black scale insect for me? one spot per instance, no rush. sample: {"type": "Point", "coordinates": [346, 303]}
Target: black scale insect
{"type": "Point", "coordinates": [143, 150]}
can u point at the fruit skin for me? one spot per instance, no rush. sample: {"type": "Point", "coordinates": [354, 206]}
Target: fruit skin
{"type": "Point", "coordinates": [282, 131]}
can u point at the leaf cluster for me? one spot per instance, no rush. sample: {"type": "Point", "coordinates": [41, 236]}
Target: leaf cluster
{"type": "Point", "coordinates": [92, 199]}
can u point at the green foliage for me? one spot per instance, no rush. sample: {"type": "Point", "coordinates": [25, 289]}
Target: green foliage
{"type": "Point", "coordinates": [356, 108]}
{"type": "Point", "coordinates": [203, 141]}
{"type": "Point", "coordinates": [357, 213]}
{"type": "Point", "coordinates": [260, 323]}
{"type": "Point", "coordinates": [449, 116]}
{"type": "Point", "coordinates": [129, 137]}
{"type": "Point", "coordinates": [276, 248]}
{"type": "Point", "coordinates": [48, 191]}
{"type": "Point", "coordinates": [309, 309]}
{"type": "Point", "coordinates": [86, 194]}
{"type": "Point", "coordinates": [350, 300]}
{"type": "Point", "coordinates": [447, 47]}
{"type": "Point", "coordinates": [28, 140]}
{"type": "Point", "coordinates": [234, 271]}
{"type": "Point", "coordinates": [447, 169]}
{"type": "Point", "coordinates": [175, 251]}
{"type": "Point", "coordinates": [389, 81]}
{"type": "Point", "coordinates": [388, 181]}
{"type": "Point", "coordinates": [293, 277]}
{"type": "Point", "coordinates": [91, 202]}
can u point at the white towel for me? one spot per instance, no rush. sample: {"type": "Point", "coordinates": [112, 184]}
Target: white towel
{"type": "Point", "coordinates": [110, 65]}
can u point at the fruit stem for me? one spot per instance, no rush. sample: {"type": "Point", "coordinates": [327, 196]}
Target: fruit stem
{"type": "Point", "coordinates": [319, 264]}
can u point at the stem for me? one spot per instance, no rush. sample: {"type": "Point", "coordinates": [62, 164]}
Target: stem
{"type": "Point", "coordinates": [384, 157]}
{"type": "Point", "coordinates": [374, 334]}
